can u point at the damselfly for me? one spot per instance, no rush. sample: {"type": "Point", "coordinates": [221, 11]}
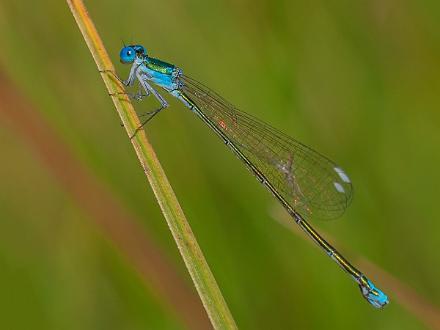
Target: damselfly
{"type": "Point", "coordinates": [301, 179]}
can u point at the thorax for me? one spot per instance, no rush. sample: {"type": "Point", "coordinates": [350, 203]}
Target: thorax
{"type": "Point", "coordinates": [160, 73]}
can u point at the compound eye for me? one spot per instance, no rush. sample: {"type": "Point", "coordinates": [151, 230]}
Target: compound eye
{"type": "Point", "coordinates": [127, 55]}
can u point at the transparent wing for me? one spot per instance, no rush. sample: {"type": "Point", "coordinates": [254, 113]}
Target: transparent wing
{"type": "Point", "coordinates": [309, 181]}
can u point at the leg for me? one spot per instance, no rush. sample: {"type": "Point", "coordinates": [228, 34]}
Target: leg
{"type": "Point", "coordinates": [151, 114]}
{"type": "Point", "coordinates": [138, 96]}
{"type": "Point", "coordinates": [123, 82]}
{"type": "Point", "coordinates": [143, 81]}
{"type": "Point", "coordinates": [131, 78]}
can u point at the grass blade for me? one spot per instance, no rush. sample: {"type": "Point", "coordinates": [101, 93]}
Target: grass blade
{"type": "Point", "coordinates": [195, 262]}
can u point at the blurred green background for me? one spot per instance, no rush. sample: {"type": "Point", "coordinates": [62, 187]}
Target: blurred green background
{"type": "Point", "coordinates": [356, 80]}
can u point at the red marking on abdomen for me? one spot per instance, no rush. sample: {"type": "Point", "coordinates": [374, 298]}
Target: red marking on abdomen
{"type": "Point", "coordinates": [222, 124]}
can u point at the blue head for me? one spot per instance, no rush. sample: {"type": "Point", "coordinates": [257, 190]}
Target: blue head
{"type": "Point", "coordinates": [374, 296]}
{"type": "Point", "coordinates": [129, 53]}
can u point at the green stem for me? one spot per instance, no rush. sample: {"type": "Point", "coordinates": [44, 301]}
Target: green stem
{"type": "Point", "coordinates": [195, 262]}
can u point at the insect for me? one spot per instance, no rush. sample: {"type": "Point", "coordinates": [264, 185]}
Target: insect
{"type": "Point", "coordinates": [301, 179]}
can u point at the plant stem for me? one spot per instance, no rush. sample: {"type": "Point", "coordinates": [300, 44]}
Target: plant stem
{"type": "Point", "coordinates": [192, 255]}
